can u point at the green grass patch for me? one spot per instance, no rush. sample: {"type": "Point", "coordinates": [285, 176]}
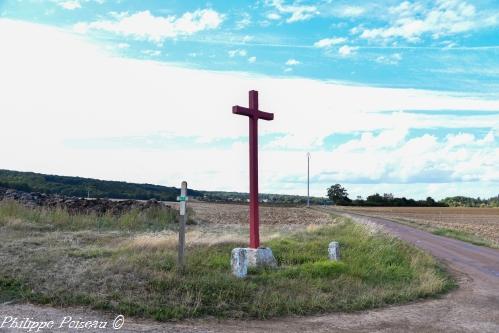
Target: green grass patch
{"type": "Point", "coordinates": [11, 289]}
{"type": "Point", "coordinates": [464, 236]}
{"type": "Point", "coordinates": [375, 270]}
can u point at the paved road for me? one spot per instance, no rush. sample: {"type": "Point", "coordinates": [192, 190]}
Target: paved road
{"type": "Point", "coordinates": [474, 307]}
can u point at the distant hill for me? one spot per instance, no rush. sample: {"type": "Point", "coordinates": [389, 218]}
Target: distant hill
{"type": "Point", "coordinates": [80, 187]}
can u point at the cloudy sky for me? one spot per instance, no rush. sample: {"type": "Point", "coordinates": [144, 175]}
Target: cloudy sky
{"type": "Point", "coordinates": [387, 96]}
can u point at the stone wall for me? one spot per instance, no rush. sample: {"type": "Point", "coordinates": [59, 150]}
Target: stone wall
{"type": "Point", "coordinates": [76, 205]}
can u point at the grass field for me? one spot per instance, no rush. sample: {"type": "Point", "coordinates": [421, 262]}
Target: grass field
{"type": "Point", "coordinates": [479, 226]}
{"type": "Point", "coordinates": [132, 270]}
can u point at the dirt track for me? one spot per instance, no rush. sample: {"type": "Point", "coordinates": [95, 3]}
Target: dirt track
{"type": "Point", "coordinates": [474, 307]}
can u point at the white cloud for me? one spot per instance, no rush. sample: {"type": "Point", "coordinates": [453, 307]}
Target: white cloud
{"type": "Point", "coordinates": [392, 59]}
{"type": "Point", "coordinates": [237, 52]}
{"type": "Point", "coordinates": [386, 139]}
{"type": "Point", "coordinates": [335, 9]}
{"type": "Point", "coordinates": [412, 20]}
{"type": "Point", "coordinates": [247, 38]}
{"type": "Point", "coordinates": [328, 42]}
{"type": "Point", "coordinates": [273, 16]}
{"type": "Point", "coordinates": [394, 162]}
{"type": "Point", "coordinates": [292, 62]}
{"type": "Point", "coordinates": [460, 139]}
{"type": "Point", "coordinates": [392, 157]}
{"type": "Point", "coordinates": [79, 92]}
{"type": "Point", "coordinates": [346, 50]}
{"type": "Point", "coordinates": [244, 22]}
{"type": "Point", "coordinates": [297, 12]}
{"type": "Point", "coordinates": [123, 45]}
{"type": "Point", "coordinates": [288, 70]}
{"type": "Point", "coordinates": [152, 53]}
{"type": "Point", "coordinates": [449, 44]}
{"type": "Point", "coordinates": [489, 138]}
{"type": "Point", "coordinates": [252, 60]}
{"type": "Point", "coordinates": [351, 11]}
{"type": "Point", "coordinates": [70, 5]}
{"type": "Point", "coordinates": [146, 26]}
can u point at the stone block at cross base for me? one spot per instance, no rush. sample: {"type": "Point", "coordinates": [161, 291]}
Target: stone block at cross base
{"type": "Point", "coordinates": [261, 257]}
{"type": "Point", "coordinates": [239, 262]}
{"type": "Point", "coordinates": [242, 258]}
{"type": "Point", "coordinates": [334, 251]}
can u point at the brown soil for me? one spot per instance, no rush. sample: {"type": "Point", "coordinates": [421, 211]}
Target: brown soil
{"type": "Point", "coordinates": [238, 214]}
{"type": "Point", "coordinates": [474, 307]}
{"type": "Point", "coordinates": [481, 222]}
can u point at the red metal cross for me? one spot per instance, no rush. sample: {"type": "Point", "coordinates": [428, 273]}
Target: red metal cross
{"type": "Point", "coordinates": [253, 114]}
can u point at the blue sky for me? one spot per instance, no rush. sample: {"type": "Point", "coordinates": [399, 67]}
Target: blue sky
{"type": "Point", "coordinates": [444, 45]}
{"type": "Point", "coordinates": [389, 96]}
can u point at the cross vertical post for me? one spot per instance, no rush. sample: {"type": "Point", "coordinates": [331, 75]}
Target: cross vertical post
{"type": "Point", "coordinates": [253, 114]}
{"type": "Point", "coordinates": [253, 160]}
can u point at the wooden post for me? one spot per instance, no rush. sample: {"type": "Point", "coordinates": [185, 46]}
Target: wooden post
{"type": "Point", "coordinates": [308, 180]}
{"type": "Point", "coordinates": [183, 220]}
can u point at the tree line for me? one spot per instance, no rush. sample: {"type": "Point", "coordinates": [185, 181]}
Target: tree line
{"type": "Point", "coordinates": [339, 196]}
{"type": "Point", "coordinates": [95, 188]}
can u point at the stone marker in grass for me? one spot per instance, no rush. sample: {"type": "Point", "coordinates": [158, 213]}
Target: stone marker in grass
{"type": "Point", "coordinates": [244, 258]}
{"type": "Point", "coordinates": [334, 251]}
{"type": "Point", "coordinates": [239, 262]}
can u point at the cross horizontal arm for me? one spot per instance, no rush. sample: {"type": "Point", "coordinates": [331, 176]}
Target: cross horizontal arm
{"type": "Point", "coordinates": [241, 110]}
{"type": "Point", "coordinates": [265, 115]}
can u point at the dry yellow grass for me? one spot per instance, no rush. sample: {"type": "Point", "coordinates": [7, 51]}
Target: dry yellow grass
{"type": "Point", "coordinates": [153, 242]}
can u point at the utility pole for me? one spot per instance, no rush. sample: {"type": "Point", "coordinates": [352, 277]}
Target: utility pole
{"type": "Point", "coordinates": [308, 179]}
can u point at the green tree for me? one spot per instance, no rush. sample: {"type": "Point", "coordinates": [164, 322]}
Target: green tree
{"type": "Point", "coordinates": [338, 194]}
